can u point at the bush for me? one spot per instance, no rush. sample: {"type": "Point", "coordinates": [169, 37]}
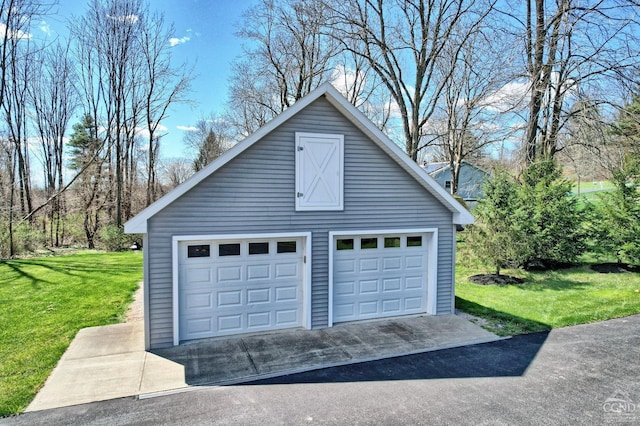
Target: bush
{"type": "Point", "coordinates": [112, 238]}
{"type": "Point", "coordinates": [532, 223]}
{"type": "Point", "coordinates": [552, 219]}
{"type": "Point", "coordinates": [615, 223]}
{"type": "Point", "coordinates": [497, 237]}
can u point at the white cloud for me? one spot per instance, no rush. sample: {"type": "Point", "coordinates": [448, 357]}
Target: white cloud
{"type": "Point", "coordinates": [20, 35]}
{"type": "Point", "coordinates": [508, 96]}
{"type": "Point", "coordinates": [174, 41]}
{"type": "Point", "coordinates": [187, 128]}
{"type": "Point", "coordinates": [130, 19]}
{"type": "Point", "coordinates": [44, 27]}
{"type": "Point", "coordinates": [144, 132]}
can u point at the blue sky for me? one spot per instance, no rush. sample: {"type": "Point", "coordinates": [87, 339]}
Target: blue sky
{"type": "Point", "coordinates": [204, 36]}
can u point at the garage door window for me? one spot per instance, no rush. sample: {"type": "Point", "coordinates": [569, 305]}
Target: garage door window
{"type": "Point", "coordinates": [198, 251]}
{"type": "Point", "coordinates": [344, 244]}
{"type": "Point", "coordinates": [368, 243]}
{"type": "Point", "coordinates": [229, 249]}
{"type": "Point", "coordinates": [414, 241]}
{"type": "Point", "coordinates": [287, 247]}
{"type": "Point", "coordinates": [391, 242]}
{"type": "Point", "coordinates": [259, 248]}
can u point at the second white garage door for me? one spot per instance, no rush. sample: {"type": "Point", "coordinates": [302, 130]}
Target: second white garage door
{"type": "Point", "coordinates": [377, 276]}
{"type": "Point", "coordinates": [239, 286]}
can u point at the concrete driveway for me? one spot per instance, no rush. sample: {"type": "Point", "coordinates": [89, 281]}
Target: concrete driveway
{"type": "Point", "coordinates": [588, 374]}
{"type": "Point", "coordinates": [110, 362]}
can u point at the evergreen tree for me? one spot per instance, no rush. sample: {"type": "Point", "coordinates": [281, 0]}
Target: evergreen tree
{"type": "Point", "coordinates": [616, 221]}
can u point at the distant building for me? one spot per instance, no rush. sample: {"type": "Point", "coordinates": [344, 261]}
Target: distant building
{"type": "Point", "coordinates": [470, 182]}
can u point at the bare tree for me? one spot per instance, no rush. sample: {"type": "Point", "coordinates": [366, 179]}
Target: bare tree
{"type": "Point", "coordinates": [175, 171]}
{"type": "Point", "coordinates": [288, 55]}
{"type": "Point", "coordinates": [164, 85]}
{"type": "Point", "coordinates": [573, 50]}
{"type": "Point", "coordinates": [128, 84]}
{"type": "Point", "coordinates": [208, 140]}
{"type": "Point", "coordinates": [469, 119]}
{"type": "Point", "coordinates": [401, 40]}
{"type": "Point", "coordinates": [53, 99]}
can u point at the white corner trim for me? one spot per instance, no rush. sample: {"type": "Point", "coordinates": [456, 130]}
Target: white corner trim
{"type": "Point", "coordinates": [432, 273]}
{"type": "Point", "coordinates": [306, 284]}
{"type": "Point", "coordinates": [432, 261]}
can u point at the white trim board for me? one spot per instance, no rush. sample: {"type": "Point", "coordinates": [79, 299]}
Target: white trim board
{"type": "Point", "coordinates": [306, 281]}
{"type": "Point", "coordinates": [432, 261]}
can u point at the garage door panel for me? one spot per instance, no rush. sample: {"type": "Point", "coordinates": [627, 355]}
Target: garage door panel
{"type": "Point", "coordinates": [416, 283]}
{"type": "Point", "coordinates": [391, 263]}
{"type": "Point", "coordinates": [348, 265]}
{"type": "Point", "coordinates": [199, 325]}
{"type": "Point", "coordinates": [344, 288]}
{"type": "Point", "coordinates": [245, 286]}
{"type": "Point", "coordinates": [229, 298]}
{"type": "Point", "coordinates": [391, 306]}
{"type": "Point", "coordinates": [390, 279]}
{"type": "Point", "coordinates": [258, 272]}
{"type": "Point", "coordinates": [200, 300]}
{"type": "Point", "coordinates": [258, 319]}
{"type": "Point", "coordinates": [368, 286]}
{"type": "Point", "coordinates": [287, 317]}
{"type": "Point", "coordinates": [287, 294]}
{"type": "Point", "coordinates": [199, 275]}
{"type": "Point", "coordinates": [369, 265]}
{"type": "Point", "coordinates": [416, 262]}
{"type": "Point", "coordinates": [287, 270]}
{"type": "Point", "coordinates": [391, 284]}
{"type": "Point", "coordinates": [257, 296]}
{"type": "Point", "coordinates": [230, 323]}
{"type": "Point", "coordinates": [228, 274]}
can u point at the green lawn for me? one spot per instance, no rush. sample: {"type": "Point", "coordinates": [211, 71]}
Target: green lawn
{"type": "Point", "coordinates": [592, 186]}
{"type": "Point", "coordinates": [44, 302]}
{"type": "Point", "coordinates": [548, 299]}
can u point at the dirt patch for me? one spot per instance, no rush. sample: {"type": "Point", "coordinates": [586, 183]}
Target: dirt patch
{"type": "Point", "coordinates": [613, 268]}
{"type": "Point", "coordinates": [493, 279]}
{"type": "Point", "coordinates": [136, 309]}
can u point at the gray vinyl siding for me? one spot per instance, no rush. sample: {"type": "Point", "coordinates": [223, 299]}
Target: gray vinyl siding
{"type": "Point", "coordinates": [254, 193]}
{"type": "Point", "coordinates": [470, 181]}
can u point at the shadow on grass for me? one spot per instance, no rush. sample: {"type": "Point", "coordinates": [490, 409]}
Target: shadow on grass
{"type": "Point", "coordinates": [81, 269]}
{"type": "Point", "coordinates": [564, 279]}
{"type": "Point", "coordinates": [500, 323]}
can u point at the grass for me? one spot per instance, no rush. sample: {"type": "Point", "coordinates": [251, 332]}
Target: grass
{"type": "Point", "coordinates": [44, 302]}
{"type": "Point", "coordinates": [592, 186]}
{"type": "Point", "coordinates": [548, 299]}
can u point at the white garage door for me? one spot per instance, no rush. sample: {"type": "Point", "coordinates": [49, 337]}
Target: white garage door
{"type": "Point", "coordinates": [378, 276]}
{"type": "Point", "coordinates": [239, 286]}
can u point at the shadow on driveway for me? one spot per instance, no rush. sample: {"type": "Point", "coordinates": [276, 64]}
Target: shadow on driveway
{"type": "Point", "coordinates": [504, 358]}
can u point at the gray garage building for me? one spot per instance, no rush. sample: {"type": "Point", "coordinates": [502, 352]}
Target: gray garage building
{"type": "Point", "coordinates": [315, 219]}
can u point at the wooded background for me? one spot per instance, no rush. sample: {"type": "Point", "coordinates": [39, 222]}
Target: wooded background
{"type": "Point", "coordinates": [512, 83]}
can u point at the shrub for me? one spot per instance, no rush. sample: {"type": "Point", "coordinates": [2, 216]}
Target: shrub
{"type": "Point", "coordinates": [532, 223]}
{"type": "Point", "coordinates": [615, 223]}
{"type": "Point", "coordinates": [551, 218]}
{"type": "Point", "coordinates": [497, 237]}
{"type": "Point", "coordinates": [112, 238]}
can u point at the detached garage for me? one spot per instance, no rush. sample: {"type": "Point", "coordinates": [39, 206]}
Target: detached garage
{"type": "Point", "coordinates": [316, 219]}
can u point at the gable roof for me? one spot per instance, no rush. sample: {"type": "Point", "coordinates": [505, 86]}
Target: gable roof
{"type": "Point", "coordinates": [461, 216]}
{"type": "Point", "coordinates": [432, 168]}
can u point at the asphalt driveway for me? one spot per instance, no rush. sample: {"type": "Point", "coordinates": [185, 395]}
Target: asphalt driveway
{"type": "Point", "coordinates": [588, 374]}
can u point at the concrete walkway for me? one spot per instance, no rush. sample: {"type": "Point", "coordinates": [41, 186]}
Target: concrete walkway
{"type": "Point", "coordinates": [104, 363]}
{"type": "Point", "coordinates": [110, 362]}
